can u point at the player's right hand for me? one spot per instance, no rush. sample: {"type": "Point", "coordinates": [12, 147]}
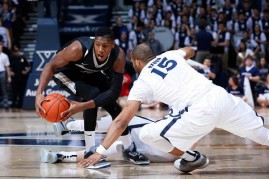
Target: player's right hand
{"type": "Point", "coordinates": [38, 100]}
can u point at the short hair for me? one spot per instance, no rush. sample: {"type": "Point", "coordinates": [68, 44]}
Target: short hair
{"type": "Point", "coordinates": [104, 32]}
{"type": "Point", "coordinates": [143, 52]}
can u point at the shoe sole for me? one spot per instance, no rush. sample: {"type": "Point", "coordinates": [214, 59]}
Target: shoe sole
{"type": "Point", "coordinates": [46, 157]}
{"type": "Point", "coordinates": [101, 165]}
{"type": "Point", "coordinates": [201, 167]}
{"type": "Point", "coordinates": [134, 162]}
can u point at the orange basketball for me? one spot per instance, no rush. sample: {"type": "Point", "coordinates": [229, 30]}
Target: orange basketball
{"type": "Point", "coordinates": [54, 106]}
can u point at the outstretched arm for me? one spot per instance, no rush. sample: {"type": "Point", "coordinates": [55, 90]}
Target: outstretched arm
{"type": "Point", "coordinates": [115, 130]}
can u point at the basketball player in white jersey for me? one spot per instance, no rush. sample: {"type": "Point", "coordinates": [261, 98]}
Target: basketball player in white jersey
{"type": "Point", "coordinates": [169, 79]}
{"type": "Point", "coordinates": [134, 127]}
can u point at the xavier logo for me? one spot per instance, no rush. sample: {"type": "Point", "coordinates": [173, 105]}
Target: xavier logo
{"type": "Point", "coordinates": [45, 56]}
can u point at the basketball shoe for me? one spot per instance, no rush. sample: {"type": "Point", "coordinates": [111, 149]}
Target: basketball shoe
{"type": "Point", "coordinates": [60, 127]}
{"type": "Point", "coordinates": [134, 157]}
{"type": "Point", "coordinates": [183, 165]}
{"type": "Point", "coordinates": [50, 157]}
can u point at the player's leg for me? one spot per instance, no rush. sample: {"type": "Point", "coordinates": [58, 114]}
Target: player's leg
{"type": "Point", "coordinates": [243, 121]}
{"type": "Point", "coordinates": [129, 152]}
{"type": "Point", "coordinates": [178, 133]}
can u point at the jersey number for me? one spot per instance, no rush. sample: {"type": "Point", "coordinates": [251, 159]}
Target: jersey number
{"type": "Point", "coordinates": [164, 64]}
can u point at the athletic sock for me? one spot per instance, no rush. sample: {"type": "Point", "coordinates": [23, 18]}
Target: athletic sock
{"type": "Point", "coordinates": [68, 156]}
{"type": "Point", "coordinates": [89, 139]}
{"type": "Point", "coordinates": [126, 141]}
{"type": "Point", "coordinates": [75, 125]}
{"type": "Point", "coordinates": [189, 155]}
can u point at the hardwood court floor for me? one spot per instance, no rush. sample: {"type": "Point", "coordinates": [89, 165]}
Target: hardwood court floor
{"type": "Point", "coordinates": [22, 135]}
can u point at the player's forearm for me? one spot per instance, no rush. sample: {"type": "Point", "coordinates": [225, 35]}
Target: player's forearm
{"type": "Point", "coordinates": [44, 79]}
{"type": "Point", "coordinates": [114, 132]}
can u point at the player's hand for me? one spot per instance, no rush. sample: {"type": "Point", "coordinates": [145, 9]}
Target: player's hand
{"type": "Point", "coordinates": [91, 160]}
{"type": "Point", "coordinates": [75, 107]}
{"type": "Point", "coordinates": [38, 100]}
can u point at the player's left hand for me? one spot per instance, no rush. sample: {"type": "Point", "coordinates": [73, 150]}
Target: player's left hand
{"type": "Point", "coordinates": [91, 160]}
{"type": "Point", "coordinates": [75, 107]}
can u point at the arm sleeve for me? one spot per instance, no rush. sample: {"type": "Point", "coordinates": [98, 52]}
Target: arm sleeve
{"type": "Point", "coordinates": [113, 93]}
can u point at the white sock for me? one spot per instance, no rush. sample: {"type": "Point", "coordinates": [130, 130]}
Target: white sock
{"type": "Point", "coordinates": [126, 141]}
{"type": "Point", "coordinates": [69, 156]}
{"type": "Point", "coordinates": [76, 125]}
{"type": "Point", "coordinates": [189, 155]}
{"type": "Point", "coordinates": [89, 139]}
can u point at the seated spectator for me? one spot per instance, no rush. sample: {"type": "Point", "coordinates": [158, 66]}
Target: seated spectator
{"type": "Point", "coordinates": [242, 53]}
{"type": "Point", "coordinates": [235, 89]}
{"type": "Point", "coordinates": [190, 39]}
{"type": "Point", "coordinates": [208, 71]}
{"type": "Point", "coordinates": [118, 28]}
{"type": "Point", "coordinates": [260, 39]}
{"type": "Point", "coordinates": [154, 44]}
{"type": "Point", "coordinates": [180, 36]}
{"type": "Point", "coordinates": [263, 98]}
{"type": "Point", "coordinates": [123, 42]}
{"type": "Point", "coordinates": [250, 43]}
{"type": "Point", "coordinates": [250, 71]}
{"type": "Point", "coordinates": [263, 68]}
{"type": "Point", "coordinates": [136, 36]}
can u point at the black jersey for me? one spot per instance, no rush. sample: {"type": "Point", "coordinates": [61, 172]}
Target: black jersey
{"type": "Point", "coordinates": [89, 63]}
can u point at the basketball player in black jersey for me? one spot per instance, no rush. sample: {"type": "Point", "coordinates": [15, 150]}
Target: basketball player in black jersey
{"type": "Point", "coordinates": [91, 69]}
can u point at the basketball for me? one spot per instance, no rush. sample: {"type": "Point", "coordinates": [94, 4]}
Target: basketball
{"type": "Point", "coordinates": [54, 106]}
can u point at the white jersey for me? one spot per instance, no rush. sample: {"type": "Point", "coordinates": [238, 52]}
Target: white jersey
{"type": "Point", "coordinates": [169, 79]}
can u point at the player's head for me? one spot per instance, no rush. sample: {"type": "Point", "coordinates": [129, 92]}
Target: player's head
{"type": "Point", "coordinates": [141, 55]}
{"type": "Point", "coordinates": [103, 43]}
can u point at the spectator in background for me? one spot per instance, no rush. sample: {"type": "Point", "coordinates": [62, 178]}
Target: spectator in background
{"type": "Point", "coordinates": [240, 26]}
{"type": "Point", "coordinates": [203, 41]}
{"type": "Point", "coordinates": [260, 39]}
{"type": "Point", "coordinates": [20, 69]}
{"type": "Point", "coordinates": [8, 17]}
{"type": "Point", "coordinates": [250, 43]}
{"type": "Point", "coordinates": [235, 89]}
{"type": "Point", "coordinates": [154, 44]}
{"type": "Point", "coordinates": [5, 76]}
{"type": "Point", "coordinates": [250, 71]}
{"type": "Point", "coordinates": [228, 9]}
{"type": "Point", "coordinates": [190, 39]}
{"type": "Point", "coordinates": [242, 52]}
{"type": "Point", "coordinates": [132, 24]}
{"type": "Point", "coordinates": [222, 42]}
{"type": "Point", "coordinates": [123, 41]}
{"type": "Point", "coordinates": [245, 8]}
{"type": "Point", "coordinates": [207, 70]}
{"type": "Point", "coordinates": [254, 19]}
{"type": "Point", "coordinates": [135, 11]}
{"type": "Point", "coordinates": [5, 38]}
{"type": "Point", "coordinates": [180, 36]}
{"type": "Point", "coordinates": [265, 26]}
{"type": "Point", "coordinates": [263, 68]}
{"type": "Point", "coordinates": [119, 27]}
{"type": "Point", "coordinates": [136, 36]}
{"type": "Point", "coordinates": [263, 97]}
{"type": "Point", "coordinates": [213, 20]}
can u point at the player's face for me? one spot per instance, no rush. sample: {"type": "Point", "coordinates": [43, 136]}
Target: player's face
{"type": "Point", "coordinates": [102, 48]}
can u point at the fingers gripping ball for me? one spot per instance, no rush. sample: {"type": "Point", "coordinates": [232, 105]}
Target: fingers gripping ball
{"type": "Point", "coordinates": [54, 106]}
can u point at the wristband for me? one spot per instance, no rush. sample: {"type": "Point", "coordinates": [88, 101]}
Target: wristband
{"type": "Point", "coordinates": [101, 149]}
